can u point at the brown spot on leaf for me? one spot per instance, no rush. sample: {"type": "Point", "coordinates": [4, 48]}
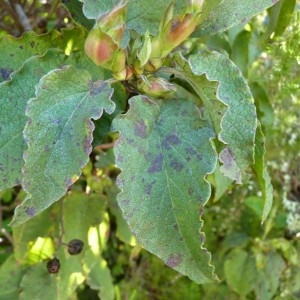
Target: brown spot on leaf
{"type": "Point", "coordinates": [171, 139]}
{"type": "Point", "coordinates": [174, 260]}
{"type": "Point", "coordinates": [140, 129]}
{"type": "Point", "coordinates": [156, 165]}
{"type": "Point", "coordinates": [191, 191]}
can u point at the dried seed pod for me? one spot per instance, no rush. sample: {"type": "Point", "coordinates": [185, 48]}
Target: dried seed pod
{"type": "Point", "coordinates": [53, 266]}
{"type": "Point", "coordinates": [75, 246]}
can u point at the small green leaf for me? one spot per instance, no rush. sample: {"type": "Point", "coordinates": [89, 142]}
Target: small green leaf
{"type": "Point", "coordinates": [240, 272]}
{"type": "Point", "coordinates": [145, 50]}
{"type": "Point", "coordinates": [262, 174]}
{"type": "Point", "coordinates": [219, 15]}
{"type": "Point", "coordinates": [164, 151]}
{"type": "Point", "coordinates": [59, 135]}
{"type": "Point", "coordinates": [280, 16]}
{"type": "Point", "coordinates": [268, 276]}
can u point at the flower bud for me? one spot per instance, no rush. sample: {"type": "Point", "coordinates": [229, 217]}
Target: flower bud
{"type": "Point", "coordinates": [124, 74]}
{"type": "Point", "coordinates": [195, 5]}
{"type": "Point", "coordinates": [178, 31]}
{"type": "Point", "coordinates": [156, 87]}
{"type": "Point", "coordinates": [99, 47]}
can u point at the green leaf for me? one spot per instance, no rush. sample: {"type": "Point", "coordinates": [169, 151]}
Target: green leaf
{"type": "Point", "coordinates": [122, 232]}
{"type": "Point", "coordinates": [280, 16]}
{"type": "Point", "coordinates": [59, 135]}
{"type": "Point", "coordinates": [240, 272]}
{"type": "Point", "coordinates": [164, 151]}
{"type": "Point", "coordinates": [220, 183]}
{"type": "Point", "coordinates": [268, 276]}
{"type": "Point", "coordinates": [11, 274]}
{"type": "Point", "coordinates": [262, 174]}
{"type": "Point", "coordinates": [15, 51]}
{"type": "Point", "coordinates": [235, 125]}
{"type": "Point", "coordinates": [240, 51]}
{"type": "Point", "coordinates": [219, 15]}
{"type": "Point", "coordinates": [60, 286]}
{"type": "Point", "coordinates": [75, 8]}
{"type": "Point", "coordinates": [14, 95]}
{"type": "Point", "coordinates": [141, 15]}
{"type": "Point", "coordinates": [263, 105]}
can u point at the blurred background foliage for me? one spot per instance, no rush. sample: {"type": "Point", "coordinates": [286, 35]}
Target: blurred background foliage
{"type": "Point", "coordinates": [253, 261]}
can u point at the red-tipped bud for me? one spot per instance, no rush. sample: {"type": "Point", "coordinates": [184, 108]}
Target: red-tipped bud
{"type": "Point", "coordinates": [104, 52]}
{"type": "Point", "coordinates": [156, 87]}
{"type": "Point", "coordinates": [99, 47]}
{"type": "Point", "coordinates": [125, 74]}
{"type": "Point", "coordinates": [178, 31]}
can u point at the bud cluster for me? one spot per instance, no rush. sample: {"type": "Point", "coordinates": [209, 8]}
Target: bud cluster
{"type": "Point", "coordinates": [103, 44]}
{"type": "Point", "coordinates": [146, 54]}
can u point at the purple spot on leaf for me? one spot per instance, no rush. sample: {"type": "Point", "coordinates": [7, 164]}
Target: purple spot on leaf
{"type": "Point", "coordinates": [5, 73]}
{"type": "Point", "coordinates": [30, 211]}
{"type": "Point", "coordinates": [125, 202]}
{"type": "Point", "coordinates": [156, 165]}
{"type": "Point", "coordinates": [149, 187]}
{"type": "Point", "coordinates": [201, 210]}
{"type": "Point", "coordinates": [98, 87]}
{"type": "Point", "coordinates": [227, 158]}
{"type": "Point", "coordinates": [202, 238]}
{"type": "Point", "coordinates": [87, 145]}
{"type": "Point", "coordinates": [140, 129]}
{"type": "Point", "coordinates": [170, 140]}
{"type": "Point", "coordinates": [176, 165]}
{"type": "Point", "coordinates": [174, 260]}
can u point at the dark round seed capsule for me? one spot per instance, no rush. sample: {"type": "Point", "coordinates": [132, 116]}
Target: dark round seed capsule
{"type": "Point", "coordinates": [75, 246]}
{"type": "Point", "coordinates": [53, 266]}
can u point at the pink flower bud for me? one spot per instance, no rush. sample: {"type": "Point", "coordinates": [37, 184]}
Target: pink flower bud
{"type": "Point", "coordinates": [100, 47]}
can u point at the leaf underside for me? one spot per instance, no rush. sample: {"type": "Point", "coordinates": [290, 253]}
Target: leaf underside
{"type": "Point", "coordinates": [164, 152]}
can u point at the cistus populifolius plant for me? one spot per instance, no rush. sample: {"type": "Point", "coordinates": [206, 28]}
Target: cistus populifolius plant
{"type": "Point", "coordinates": [180, 114]}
